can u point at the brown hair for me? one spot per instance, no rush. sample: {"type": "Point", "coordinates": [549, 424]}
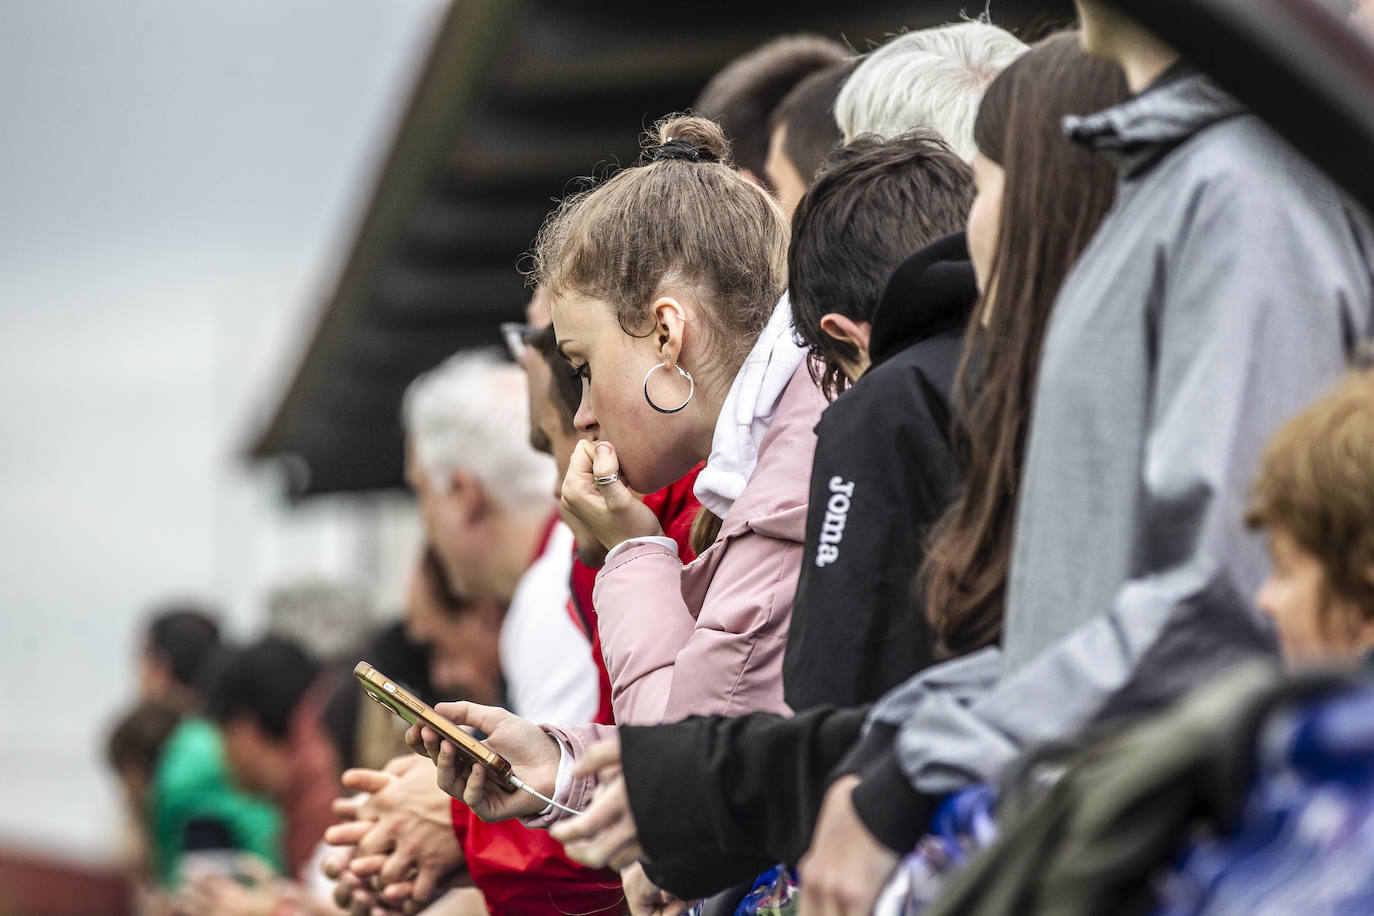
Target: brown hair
{"type": "Point", "coordinates": [1316, 482]}
{"type": "Point", "coordinates": [688, 219]}
{"type": "Point", "coordinates": [1056, 195]}
{"type": "Point", "coordinates": [705, 529]}
{"type": "Point", "coordinates": [874, 203]}
{"type": "Point", "coordinates": [683, 216]}
{"type": "Point", "coordinates": [138, 738]}
{"type": "Point", "coordinates": [565, 387]}
{"type": "Point", "coordinates": [743, 94]}
{"type": "Point", "coordinates": [808, 112]}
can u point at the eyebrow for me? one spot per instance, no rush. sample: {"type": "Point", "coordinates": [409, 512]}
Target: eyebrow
{"type": "Point", "coordinates": [558, 345]}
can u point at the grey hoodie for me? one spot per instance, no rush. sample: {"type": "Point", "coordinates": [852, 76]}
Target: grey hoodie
{"type": "Point", "coordinates": [1227, 287]}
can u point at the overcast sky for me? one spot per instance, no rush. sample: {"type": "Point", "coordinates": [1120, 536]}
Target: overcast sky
{"type": "Point", "coordinates": [176, 182]}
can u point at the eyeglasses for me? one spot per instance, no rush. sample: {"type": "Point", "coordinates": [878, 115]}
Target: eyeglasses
{"type": "Point", "coordinates": [513, 333]}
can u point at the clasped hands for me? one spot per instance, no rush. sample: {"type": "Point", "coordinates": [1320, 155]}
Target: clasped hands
{"type": "Point", "coordinates": [397, 839]}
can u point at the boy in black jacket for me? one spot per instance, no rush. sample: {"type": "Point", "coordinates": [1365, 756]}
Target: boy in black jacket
{"type": "Point", "coordinates": [885, 468]}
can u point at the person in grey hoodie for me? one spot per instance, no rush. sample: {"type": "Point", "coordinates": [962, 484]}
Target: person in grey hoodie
{"type": "Point", "coordinates": [1229, 284]}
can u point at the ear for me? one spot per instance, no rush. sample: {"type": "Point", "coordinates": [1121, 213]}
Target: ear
{"type": "Point", "coordinates": [469, 496]}
{"type": "Point", "coordinates": [670, 320]}
{"type": "Point", "coordinates": [842, 327]}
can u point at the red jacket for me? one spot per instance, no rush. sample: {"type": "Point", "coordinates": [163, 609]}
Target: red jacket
{"type": "Point", "coordinates": [522, 871]}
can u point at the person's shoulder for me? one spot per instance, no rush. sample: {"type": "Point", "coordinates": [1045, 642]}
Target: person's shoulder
{"type": "Point", "coordinates": [780, 482]}
{"type": "Point", "coordinates": [193, 736]}
{"type": "Point", "coordinates": [934, 358]}
{"type": "Point", "coordinates": [1242, 161]}
{"type": "Point", "coordinates": [800, 406]}
{"type": "Point", "coordinates": [913, 382]}
{"type": "Point", "coordinates": [192, 757]}
{"type": "Point", "coordinates": [793, 427]}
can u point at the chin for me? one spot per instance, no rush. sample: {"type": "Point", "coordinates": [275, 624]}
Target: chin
{"type": "Point", "coordinates": [645, 480]}
{"type": "Point", "coordinates": [653, 458]}
{"type": "Point", "coordinates": [632, 481]}
{"type": "Point", "coordinates": [635, 473]}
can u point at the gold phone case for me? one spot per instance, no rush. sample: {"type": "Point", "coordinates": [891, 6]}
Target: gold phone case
{"type": "Point", "coordinates": [412, 709]}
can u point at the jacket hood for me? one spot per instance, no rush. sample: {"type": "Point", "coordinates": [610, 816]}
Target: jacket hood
{"type": "Point", "coordinates": [748, 411]}
{"type": "Point", "coordinates": [931, 292]}
{"type": "Point", "coordinates": [1142, 130]}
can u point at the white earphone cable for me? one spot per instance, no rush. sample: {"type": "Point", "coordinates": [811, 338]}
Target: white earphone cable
{"type": "Point", "coordinates": [519, 784]}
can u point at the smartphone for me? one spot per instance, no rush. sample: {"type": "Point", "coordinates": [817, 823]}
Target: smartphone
{"type": "Point", "coordinates": [412, 709]}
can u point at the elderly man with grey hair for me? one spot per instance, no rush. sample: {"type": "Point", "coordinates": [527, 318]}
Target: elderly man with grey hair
{"type": "Point", "coordinates": [932, 78]}
{"type": "Point", "coordinates": [486, 498]}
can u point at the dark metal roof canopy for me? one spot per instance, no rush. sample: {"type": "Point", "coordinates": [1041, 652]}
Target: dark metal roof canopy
{"type": "Point", "coordinates": [515, 100]}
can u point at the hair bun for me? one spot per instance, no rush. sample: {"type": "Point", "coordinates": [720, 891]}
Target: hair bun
{"type": "Point", "coordinates": [680, 149]}
{"type": "Point", "coordinates": [688, 138]}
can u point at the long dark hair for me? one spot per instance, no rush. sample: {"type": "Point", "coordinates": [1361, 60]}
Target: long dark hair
{"type": "Point", "coordinates": [1055, 196]}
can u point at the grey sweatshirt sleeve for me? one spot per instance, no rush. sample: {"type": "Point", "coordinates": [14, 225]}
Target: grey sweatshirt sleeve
{"type": "Point", "coordinates": [1256, 307]}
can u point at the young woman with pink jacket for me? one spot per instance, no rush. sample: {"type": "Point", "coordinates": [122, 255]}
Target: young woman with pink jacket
{"type": "Point", "coordinates": [666, 285]}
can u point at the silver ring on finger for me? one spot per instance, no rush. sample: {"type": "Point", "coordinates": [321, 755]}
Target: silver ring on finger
{"type": "Point", "coordinates": [605, 480]}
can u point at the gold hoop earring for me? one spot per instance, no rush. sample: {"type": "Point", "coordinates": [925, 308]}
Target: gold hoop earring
{"type": "Point", "coordinates": [691, 390]}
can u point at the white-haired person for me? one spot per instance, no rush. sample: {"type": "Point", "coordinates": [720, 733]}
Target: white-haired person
{"type": "Point", "coordinates": [490, 516]}
{"type": "Point", "coordinates": [931, 78]}
{"type": "Point", "coordinates": [489, 513]}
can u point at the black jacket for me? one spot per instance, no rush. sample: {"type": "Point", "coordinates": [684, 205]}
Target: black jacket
{"type": "Point", "coordinates": [885, 470]}
{"type": "Point", "coordinates": [718, 800]}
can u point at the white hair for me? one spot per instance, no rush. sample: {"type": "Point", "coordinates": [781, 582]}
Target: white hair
{"type": "Point", "coordinates": [471, 413]}
{"type": "Point", "coordinates": [932, 78]}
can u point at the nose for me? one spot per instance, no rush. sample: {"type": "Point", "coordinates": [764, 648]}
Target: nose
{"type": "Point", "coordinates": [585, 418]}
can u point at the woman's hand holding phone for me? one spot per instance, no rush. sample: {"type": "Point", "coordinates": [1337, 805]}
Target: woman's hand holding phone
{"type": "Point", "coordinates": [532, 753]}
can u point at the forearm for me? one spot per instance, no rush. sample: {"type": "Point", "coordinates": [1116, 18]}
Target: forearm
{"type": "Point", "coordinates": [1155, 644]}
{"type": "Point", "coordinates": [570, 789]}
{"type": "Point", "coordinates": [462, 900]}
{"type": "Point", "coordinates": [644, 623]}
{"type": "Point", "coordinates": [886, 799]}
{"type": "Point", "coordinates": [713, 791]}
